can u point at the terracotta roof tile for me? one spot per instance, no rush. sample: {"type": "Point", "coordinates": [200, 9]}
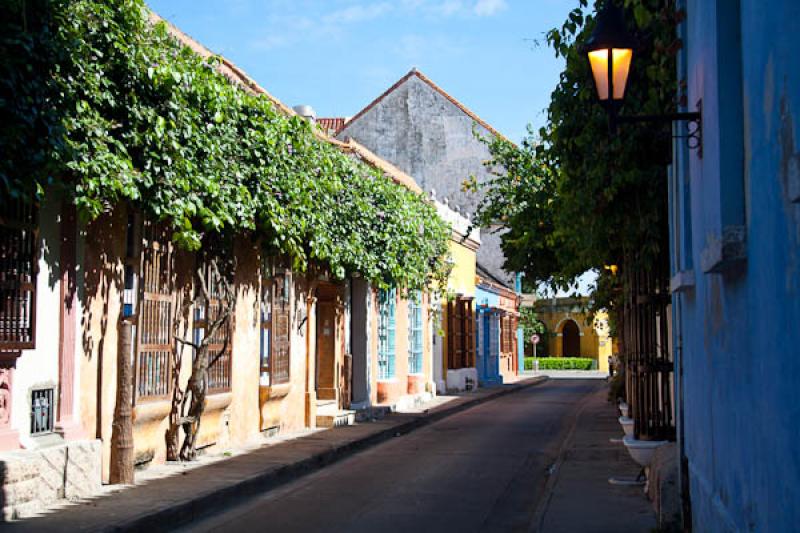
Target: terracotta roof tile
{"type": "Point", "coordinates": [332, 126]}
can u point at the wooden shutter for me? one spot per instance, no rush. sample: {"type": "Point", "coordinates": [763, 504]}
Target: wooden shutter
{"type": "Point", "coordinates": [154, 347]}
{"type": "Point", "coordinates": [281, 328]}
{"type": "Point", "coordinates": [18, 268]}
{"type": "Point", "coordinates": [468, 332]}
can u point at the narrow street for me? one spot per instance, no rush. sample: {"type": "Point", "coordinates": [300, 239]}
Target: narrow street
{"type": "Point", "coordinates": [484, 469]}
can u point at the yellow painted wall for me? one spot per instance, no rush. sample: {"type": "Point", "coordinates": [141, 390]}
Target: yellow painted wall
{"type": "Point", "coordinates": [595, 341]}
{"type": "Point", "coordinates": [461, 281]}
{"type": "Point", "coordinates": [462, 277]}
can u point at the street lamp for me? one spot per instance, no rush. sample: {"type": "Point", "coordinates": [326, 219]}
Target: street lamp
{"type": "Point", "coordinates": [609, 50]}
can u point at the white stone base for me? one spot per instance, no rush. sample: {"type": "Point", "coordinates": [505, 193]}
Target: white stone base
{"type": "Point", "coordinates": [411, 401]}
{"type": "Point", "coordinates": [34, 479]}
{"type": "Point", "coordinates": [462, 379]}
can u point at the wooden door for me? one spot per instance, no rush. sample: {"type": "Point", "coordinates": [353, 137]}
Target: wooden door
{"type": "Point", "coordinates": [326, 350]}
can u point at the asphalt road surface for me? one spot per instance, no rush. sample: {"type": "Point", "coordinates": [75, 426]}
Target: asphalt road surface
{"type": "Point", "coordinates": [483, 469]}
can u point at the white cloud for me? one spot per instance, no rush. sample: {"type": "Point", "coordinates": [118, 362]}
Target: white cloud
{"type": "Point", "coordinates": [449, 7]}
{"type": "Point", "coordinates": [487, 8]}
{"type": "Point", "coordinates": [287, 29]}
{"type": "Point", "coordinates": [357, 13]}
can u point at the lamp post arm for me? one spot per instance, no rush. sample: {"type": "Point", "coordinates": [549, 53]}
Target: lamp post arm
{"type": "Point", "coordinates": [689, 116]}
{"type": "Point", "coordinates": [694, 137]}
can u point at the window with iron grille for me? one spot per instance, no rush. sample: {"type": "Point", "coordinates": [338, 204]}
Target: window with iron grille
{"type": "Point", "coordinates": [415, 334]}
{"type": "Point", "coordinates": [154, 346]}
{"type": "Point", "coordinates": [460, 333]}
{"type": "Point", "coordinates": [387, 301]}
{"type": "Point", "coordinates": [42, 411]}
{"type": "Point", "coordinates": [18, 251]}
{"type": "Point", "coordinates": [220, 345]}
{"type": "Point", "coordinates": [275, 330]}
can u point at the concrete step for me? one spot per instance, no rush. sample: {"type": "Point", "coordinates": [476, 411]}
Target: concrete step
{"type": "Point", "coordinates": [341, 417]}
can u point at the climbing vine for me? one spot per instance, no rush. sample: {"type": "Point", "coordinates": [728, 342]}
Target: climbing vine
{"type": "Point", "coordinates": [97, 99]}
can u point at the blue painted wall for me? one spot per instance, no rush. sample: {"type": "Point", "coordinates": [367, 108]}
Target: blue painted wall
{"type": "Point", "coordinates": [736, 311]}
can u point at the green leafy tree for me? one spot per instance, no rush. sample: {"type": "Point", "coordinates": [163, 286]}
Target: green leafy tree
{"type": "Point", "coordinates": [530, 324]}
{"type": "Point", "coordinates": [574, 197]}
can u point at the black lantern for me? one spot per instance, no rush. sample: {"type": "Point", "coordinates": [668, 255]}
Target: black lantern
{"type": "Point", "coordinates": [610, 51]}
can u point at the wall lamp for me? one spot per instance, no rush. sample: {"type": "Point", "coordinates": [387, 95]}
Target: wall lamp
{"type": "Point", "coordinates": [610, 51]}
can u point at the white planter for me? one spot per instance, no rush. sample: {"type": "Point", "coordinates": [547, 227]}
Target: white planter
{"type": "Point", "coordinates": [627, 425]}
{"type": "Point", "coordinates": [642, 451]}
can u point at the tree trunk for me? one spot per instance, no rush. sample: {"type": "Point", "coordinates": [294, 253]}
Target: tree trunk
{"type": "Point", "coordinates": [121, 471]}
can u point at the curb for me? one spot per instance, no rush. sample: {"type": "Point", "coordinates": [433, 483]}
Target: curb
{"type": "Point", "coordinates": [183, 513]}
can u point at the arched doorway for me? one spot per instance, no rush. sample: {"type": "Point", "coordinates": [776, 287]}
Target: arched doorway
{"type": "Point", "coordinates": [571, 339]}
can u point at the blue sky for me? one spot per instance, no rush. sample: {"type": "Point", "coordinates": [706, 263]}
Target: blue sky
{"type": "Point", "coordinates": [338, 55]}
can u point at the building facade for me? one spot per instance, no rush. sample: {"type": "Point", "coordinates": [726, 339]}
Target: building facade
{"type": "Point", "coordinates": [573, 332]}
{"type": "Point", "coordinates": [431, 136]}
{"type": "Point", "coordinates": [300, 350]}
{"type": "Point", "coordinates": [496, 327]}
{"type": "Point", "coordinates": [454, 342]}
{"type": "Point", "coordinates": [735, 231]}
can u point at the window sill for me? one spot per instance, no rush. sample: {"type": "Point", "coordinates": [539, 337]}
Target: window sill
{"type": "Point", "coordinates": [149, 410]}
{"type": "Point", "coordinates": [682, 281]}
{"type": "Point", "coordinates": [275, 391]}
{"type": "Point", "coordinates": [218, 400]}
{"type": "Point", "coordinates": [723, 253]}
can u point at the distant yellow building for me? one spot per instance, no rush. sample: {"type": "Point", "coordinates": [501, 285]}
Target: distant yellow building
{"type": "Point", "coordinates": [572, 332]}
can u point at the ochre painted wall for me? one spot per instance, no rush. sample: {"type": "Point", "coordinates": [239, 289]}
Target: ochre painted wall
{"type": "Point", "coordinates": [462, 277]}
{"type": "Point", "coordinates": [231, 418]}
{"type": "Point", "coordinates": [594, 339]}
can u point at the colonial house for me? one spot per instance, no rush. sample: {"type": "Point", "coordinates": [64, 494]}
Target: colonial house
{"type": "Point", "coordinates": [735, 257]}
{"type": "Point", "coordinates": [46, 450]}
{"type": "Point", "coordinates": [454, 342]}
{"type": "Point", "coordinates": [428, 134]}
{"type": "Point", "coordinates": [391, 332]}
{"type": "Point", "coordinates": [301, 350]}
{"type": "Point", "coordinates": [571, 331]}
{"type": "Point", "coordinates": [497, 320]}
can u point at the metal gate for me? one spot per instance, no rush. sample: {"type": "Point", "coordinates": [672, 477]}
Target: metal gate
{"type": "Point", "coordinates": [649, 363]}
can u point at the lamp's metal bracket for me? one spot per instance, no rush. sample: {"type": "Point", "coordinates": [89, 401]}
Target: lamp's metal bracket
{"type": "Point", "coordinates": [694, 120]}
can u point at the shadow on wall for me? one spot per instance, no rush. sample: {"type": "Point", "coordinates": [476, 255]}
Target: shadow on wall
{"type": "Point", "coordinates": [3, 492]}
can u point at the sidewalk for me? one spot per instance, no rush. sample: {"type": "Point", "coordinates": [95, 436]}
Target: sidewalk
{"type": "Point", "coordinates": [578, 496]}
{"type": "Point", "coordinates": [163, 504]}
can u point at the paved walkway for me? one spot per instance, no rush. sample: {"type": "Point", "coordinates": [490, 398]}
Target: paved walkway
{"type": "Point", "coordinates": [164, 503]}
{"type": "Point", "coordinates": [579, 497]}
